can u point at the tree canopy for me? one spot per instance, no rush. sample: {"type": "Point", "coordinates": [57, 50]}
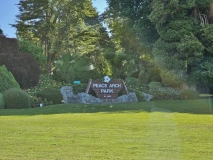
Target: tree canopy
{"type": "Point", "coordinates": [58, 26]}
{"type": "Point", "coordinates": [170, 38]}
{"type": "Point", "coordinates": [177, 33]}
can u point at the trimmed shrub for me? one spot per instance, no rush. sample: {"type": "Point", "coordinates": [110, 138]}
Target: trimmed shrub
{"type": "Point", "coordinates": [1, 101]}
{"type": "Point", "coordinates": [154, 85]}
{"type": "Point", "coordinates": [16, 98]}
{"type": "Point", "coordinates": [7, 80]}
{"type": "Point", "coordinates": [51, 94]}
{"type": "Point", "coordinates": [189, 94]}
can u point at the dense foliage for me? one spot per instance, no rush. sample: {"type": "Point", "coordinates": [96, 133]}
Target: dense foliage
{"type": "Point", "coordinates": [167, 42]}
{"type": "Point", "coordinates": [178, 34]}
{"type": "Point", "coordinates": [69, 69]}
{"type": "Point", "coordinates": [184, 41]}
{"type": "Point", "coordinates": [59, 27]}
{"type": "Point", "coordinates": [133, 34]}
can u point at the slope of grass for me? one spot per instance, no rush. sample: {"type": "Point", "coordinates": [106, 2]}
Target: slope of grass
{"type": "Point", "coordinates": [146, 130]}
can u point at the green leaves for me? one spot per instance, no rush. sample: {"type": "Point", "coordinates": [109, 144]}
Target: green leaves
{"type": "Point", "coordinates": [190, 46]}
{"type": "Point", "coordinates": [59, 27]}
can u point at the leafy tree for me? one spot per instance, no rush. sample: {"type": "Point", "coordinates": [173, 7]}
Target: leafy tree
{"type": "Point", "coordinates": [135, 14]}
{"type": "Point", "coordinates": [132, 32]}
{"type": "Point", "coordinates": [177, 33]}
{"type": "Point", "coordinates": [58, 26]}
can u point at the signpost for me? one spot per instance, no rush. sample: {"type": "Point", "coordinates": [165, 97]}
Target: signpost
{"type": "Point", "coordinates": [107, 90]}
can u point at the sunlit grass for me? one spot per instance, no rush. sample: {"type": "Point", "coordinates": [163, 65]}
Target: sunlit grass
{"type": "Point", "coordinates": [145, 130]}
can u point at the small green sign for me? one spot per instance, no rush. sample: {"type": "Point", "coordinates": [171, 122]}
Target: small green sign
{"type": "Point", "coordinates": [77, 82]}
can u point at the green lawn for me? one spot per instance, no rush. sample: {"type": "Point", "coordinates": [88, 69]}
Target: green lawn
{"type": "Point", "coordinates": [158, 130]}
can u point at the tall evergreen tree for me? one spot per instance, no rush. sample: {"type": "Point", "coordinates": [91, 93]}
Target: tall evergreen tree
{"type": "Point", "coordinates": [180, 47]}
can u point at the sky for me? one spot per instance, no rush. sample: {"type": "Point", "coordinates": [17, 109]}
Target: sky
{"type": "Point", "coordinates": [8, 10]}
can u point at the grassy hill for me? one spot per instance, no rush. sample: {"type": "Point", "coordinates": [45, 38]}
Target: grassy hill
{"type": "Point", "coordinates": [146, 130]}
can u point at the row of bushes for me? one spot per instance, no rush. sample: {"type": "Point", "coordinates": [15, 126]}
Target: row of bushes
{"type": "Point", "coordinates": [48, 92]}
{"type": "Point", "coordinates": [16, 98]}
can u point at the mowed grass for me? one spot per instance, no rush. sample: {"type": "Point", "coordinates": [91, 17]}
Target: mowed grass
{"type": "Point", "coordinates": [162, 130]}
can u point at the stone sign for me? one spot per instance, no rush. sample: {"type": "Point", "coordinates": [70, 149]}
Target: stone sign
{"type": "Point", "coordinates": [107, 90]}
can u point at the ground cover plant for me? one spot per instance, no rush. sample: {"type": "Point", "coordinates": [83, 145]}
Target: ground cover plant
{"type": "Point", "coordinates": [144, 130]}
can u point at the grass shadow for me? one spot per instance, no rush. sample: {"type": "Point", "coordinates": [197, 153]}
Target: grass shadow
{"type": "Point", "coordinates": [199, 106]}
{"type": "Point", "coordinates": [79, 108]}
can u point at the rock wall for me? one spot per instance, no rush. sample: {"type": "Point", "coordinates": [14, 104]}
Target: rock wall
{"type": "Point", "coordinates": [85, 98]}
